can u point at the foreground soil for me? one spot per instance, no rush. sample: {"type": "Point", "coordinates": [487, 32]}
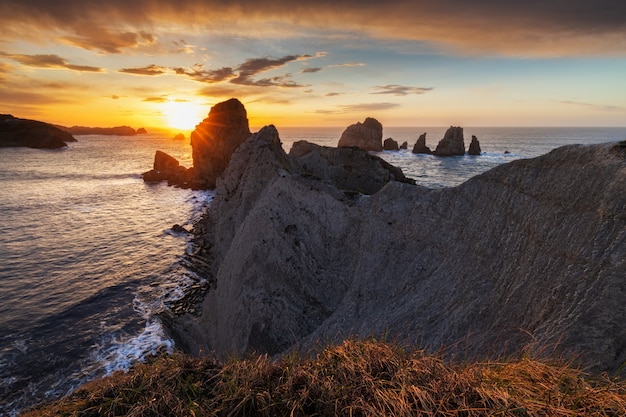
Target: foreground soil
{"type": "Point", "coordinates": [355, 378]}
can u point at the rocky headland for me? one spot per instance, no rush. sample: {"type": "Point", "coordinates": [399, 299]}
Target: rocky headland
{"type": "Point", "coordinates": [312, 247]}
{"type": "Point", "coordinates": [110, 131]}
{"type": "Point", "coordinates": [31, 133]}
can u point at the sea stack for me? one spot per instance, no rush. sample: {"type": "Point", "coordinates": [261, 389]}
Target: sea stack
{"type": "Point", "coordinates": [474, 148]}
{"type": "Point", "coordinates": [452, 143]}
{"type": "Point", "coordinates": [367, 135]}
{"type": "Point", "coordinates": [420, 145]}
{"type": "Point", "coordinates": [216, 138]}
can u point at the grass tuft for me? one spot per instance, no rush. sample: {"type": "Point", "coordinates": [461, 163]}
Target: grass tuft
{"type": "Point", "coordinates": [355, 378]}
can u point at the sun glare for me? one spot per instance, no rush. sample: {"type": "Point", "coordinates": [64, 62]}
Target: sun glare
{"type": "Point", "coordinates": [184, 115]}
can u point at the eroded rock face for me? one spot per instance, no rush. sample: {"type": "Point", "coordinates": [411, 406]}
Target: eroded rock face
{"type": "Point", "coordinates": [530, 255]}
{"type": "Point", "coordinates": [367, 135]}
{"type": "Point", "coordinates": [420, 145]}
{"type": "Point", "coordinates": [216, 138]}
{"type": "Point", "coordinates": [31, 133]}
{"type": "Point", "coordinates": [390, 145]}
{"type": "Point", "coordinates": [452, 143]}
{"type": "Point", "coordinates": [474, 147]}
{"type": "Point", "coordinates": [348, 169]}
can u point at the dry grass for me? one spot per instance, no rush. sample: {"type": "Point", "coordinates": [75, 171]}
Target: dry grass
{"type": "Point", "coordinates": [356, 378]}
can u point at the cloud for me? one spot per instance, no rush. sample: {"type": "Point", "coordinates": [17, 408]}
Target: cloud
{"type": "Point", "coordinates": [596, 107]}
{"type": "Point", "coordinates": [149, 70]}
{"type": "Point", "coordinates": [310, 70]}
{"type": "Point", "coordinates": [358, 108]}
{"type": "Point", "coordinates": [254, 66]}
{"type": "Point", "coordinates": [48, 61]}
{"type": "Point", "coordinates": [94, 37]}
{"type": "Point", "coordinates": [155, 99]}
{"type": "Point", "coordinates": [532, 27]}
{"type": "Point", "coordinates": [401, 90]}
{"type": "Point", "coordinates": [349, 64]}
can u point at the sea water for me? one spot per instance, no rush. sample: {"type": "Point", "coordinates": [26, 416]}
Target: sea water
{"type": "Point", "coordinates": [88, 256]}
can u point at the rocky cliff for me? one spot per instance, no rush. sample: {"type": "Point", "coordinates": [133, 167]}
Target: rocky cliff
{"type": "Point", "coordinates": [31, 133]}
{"type": "Point", "coordinates": [528, 256]}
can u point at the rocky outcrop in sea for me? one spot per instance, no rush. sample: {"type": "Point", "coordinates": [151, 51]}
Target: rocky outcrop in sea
{"type": "Point", "coordinates": [452, 143]}
{"type": "Point", "coordinates": [367, 135]}
{"type": "Point", "coordinates": [420, 146]}
{"type": "Point", "coordinates": [527, 257]}
{"type": "Point", "coordinates": [31, 133]}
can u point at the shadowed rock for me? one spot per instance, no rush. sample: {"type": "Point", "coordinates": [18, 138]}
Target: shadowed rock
{"type": "Point", "coordinates": [420, 145]}
{"type": "Point", "coordinates": [167, 168]}
{"type": "Point", "coordinates": [474, 147]}
{"type": "Point", "coordinates": [16, 132]}
{"type": "Point", "coordinates": [390, 145]}
{"type": "Point", "coordinates": [530, 255]}
{"type": "Point", "coordinates": [367, 135]}
{"type": "Point", "coordinates": [405, 145]}
{"type": "Point", "coordinates": [112, 131]}
{"type": "Point", "coordinates": [216, 138]}
{"type": "Point", "coordinates": [452, 143]}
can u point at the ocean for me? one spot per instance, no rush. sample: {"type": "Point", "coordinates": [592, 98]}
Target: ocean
{"type": "Point", "coordinates": [88, 256]}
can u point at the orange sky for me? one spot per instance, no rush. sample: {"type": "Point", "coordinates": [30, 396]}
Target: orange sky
{"type": "Point", "coordinates": [407, 63]}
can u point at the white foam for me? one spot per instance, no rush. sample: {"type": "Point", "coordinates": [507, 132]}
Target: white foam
{"type": "Point", "coordinates": [120, 353]}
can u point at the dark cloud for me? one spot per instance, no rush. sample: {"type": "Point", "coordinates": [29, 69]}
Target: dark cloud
{"type": "Point", "coordinates": [310, 70]}
{"type": "Point", "coordinates": [255, 66]}
{"type": "Point", "coordinates": [537, 27]}
{"type": "Point", "coordinates": [97, 38]}
{"type": "Point", "coordinates": [198, 73]}
{"type": "Point", "coordinates": [401, 90]}
{"type": "Point", "coordinates": [149, 70]}
{"type": "Point", "coordinates": [48, 61]}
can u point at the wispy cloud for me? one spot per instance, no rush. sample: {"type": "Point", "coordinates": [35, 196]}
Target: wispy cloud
{"type": "Point", "coordinates": [149, 70]}
{"type": "Point", "coordinates": [400, 90]}
{"type": "Point", "coordinates": [48, 61]}
{"type": "Point", "coordinates": [94, 37]}
{"type": "Point", "coordinates": [310, 70]}
{"type": "Point", "coordinates": [358, 108]}
{"type": "Point", "coordinates": [596, 107]}
{"type": "Point", "coordinates": [349, 64]}
{"type": "Point", "coordinates": [155, 99]}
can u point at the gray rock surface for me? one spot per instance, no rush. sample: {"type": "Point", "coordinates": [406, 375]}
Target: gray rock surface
{"type": "Point", "coordinates": [452, 143]}
{"type": "Point", "coordinates": [16, 132]}
{"type": "Point", "coordinates": [529, 256]}
{"type": "Point", "coordinates": [367, 135]}
{"type": "Point", "coordinates": [216, 138]}
{"type": "Point", "coordinates": [420, 145]}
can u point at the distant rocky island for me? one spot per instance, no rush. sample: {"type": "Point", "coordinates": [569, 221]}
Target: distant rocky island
{"type": "Point", "coordinates": [327, 243]}
{"type": "Point", "coordinates": [16, 132]}
{"type": "Point", "coordinates": [113, 131]}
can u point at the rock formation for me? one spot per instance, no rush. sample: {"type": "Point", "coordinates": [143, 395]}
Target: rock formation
{"type": "Point", "coordinates": [142, 131]}
{"type": "Point", "coordinates": [452, 143]}
{"type": "Point", "coordinates": [367, 135]}
{"type": "Point", "coordinates": [216, 138]}
{"type": "Point", "coordinates": [179, 136]}
{"type": "Point", "coordinates": [420, 145]}
{"type": "Point", "coordinates": [474, 147]}
{"type": "Point", "coordinates": [530, 255]}
{"type": "Point", "coordinates": [31, 133]}
{"type": "Point", "coordinates": [167, 168]}
{"type": "Point", "coordinates": [349, 169]}
{"type": "Point", "coordinates": [405, 145]}
{"type": "Point", "coordinates": [112, 131]}
{"type": "Point", "coordinates": [390, 145]}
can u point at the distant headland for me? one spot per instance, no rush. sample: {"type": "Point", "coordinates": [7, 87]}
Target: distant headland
{"type": "Point", "coordinates": [16, 132]}
{"type": "Point", "coordinates": [113, 131]}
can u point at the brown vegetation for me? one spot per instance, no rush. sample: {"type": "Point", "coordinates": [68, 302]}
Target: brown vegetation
{"type": "Point", "coordinates": [356, 378]}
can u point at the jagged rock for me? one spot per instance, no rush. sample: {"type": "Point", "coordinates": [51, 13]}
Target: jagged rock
{"type": "Point", "coordinates": [348, 169]}
{"type": "Point", "coordinates": [474, 147]}
{"type": "Point", "coordinates": [529, 256]}
{"type": "Point", "coordinates": [167, 168]}
{"type": "Point", "coordinates": [405, 145]}
{"type": "Point", "coordinates": [420, 145]}
{"type": "Point", "coordinates": [452, 143]}
{"type": "Point", "coordinates": [390, 145]}
{"type": "Point", "coordinates": [216, 138]}
{"type": "Point", "coordinates": [367, 135]}
{"type": "Point", "coordinates": [179, 136]}
{"type": "Point", "coordinates": [31, 133]}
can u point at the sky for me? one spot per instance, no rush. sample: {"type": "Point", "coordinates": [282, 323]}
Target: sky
{"type": "Point", "coordinates": [161, 63]}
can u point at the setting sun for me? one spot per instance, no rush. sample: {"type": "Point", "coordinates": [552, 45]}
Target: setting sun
{"type": "Point", "coordinates": [184, 115]}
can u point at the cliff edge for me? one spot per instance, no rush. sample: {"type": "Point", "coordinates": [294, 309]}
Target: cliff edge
{"type": "Point", "coordinates": [527, 256]}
